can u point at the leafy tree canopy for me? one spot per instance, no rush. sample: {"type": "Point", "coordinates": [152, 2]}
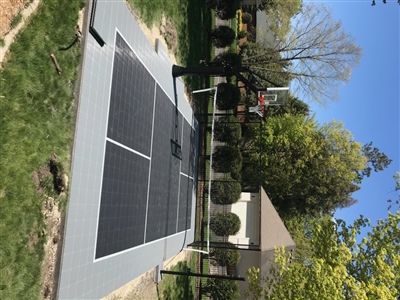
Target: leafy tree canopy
{"type": "Point", "coordinates": [336, 265]}
{"type": "Point", "coordinates": [221, 289]}
{"type": "Point", "coordinates": [306, 168]}
{"type": "Point", "coordinates": [377, 160]}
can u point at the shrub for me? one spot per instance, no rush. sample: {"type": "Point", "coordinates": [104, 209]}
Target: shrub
{"type": "Point", "coordinates": [228, 58]}
{"type": "Point", "coordinates": [224, 224]}
{"type": "Point", "coordinates": [226, 158]}
{"type": "Point", "coordinates": [226, 9]}
{"type": "Point", "coordinates": [16, 20]}
{"type": "Point", "coordinates": [228, 130]}
{"type": "Point", "coordinates": [228, 96]}
{"type": "Point", "coordinates": [239, 20]}
{"type": "Point", "coordinates": [241, 34]}
{"type": "Point", "coordinates": [221, 289]}
{"type": "Point", "coordinates": [225, 192]}
{"type": "Point", "coordinates": [246, 18]}
{"type": "Point", "coordinates": [222, 36]}
{"type": "Point", "coordinates": [226, 257]}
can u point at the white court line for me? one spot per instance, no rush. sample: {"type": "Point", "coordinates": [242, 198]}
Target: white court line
{"type": "Point", "coordinates": [129, 149]}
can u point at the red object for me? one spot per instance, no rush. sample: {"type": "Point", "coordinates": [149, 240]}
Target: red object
{"type": "Point", "coordinates": [261, 102]}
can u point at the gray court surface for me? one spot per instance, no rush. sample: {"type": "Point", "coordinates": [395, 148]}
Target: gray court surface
{"type": "Point", "coordinates": [132, 202]}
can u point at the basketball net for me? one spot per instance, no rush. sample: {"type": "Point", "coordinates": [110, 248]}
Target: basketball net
{"type": "Point", "coordinates": [259, 109]}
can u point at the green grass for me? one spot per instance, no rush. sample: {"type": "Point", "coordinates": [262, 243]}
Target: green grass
{"type": "Point", "coordinates": [178, 287]}
{"type": "Point", "coordinates": [192, 22]}
{"type": "Point", "coordinates": [2, 43]}
{"type": "Point", "coordinates": [36, 121]}
{"type": "Point", "coordinates": [16, 20]}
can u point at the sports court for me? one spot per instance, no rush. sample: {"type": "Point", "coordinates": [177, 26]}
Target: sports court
{"type": "Point", "coordinates": [133, 191]}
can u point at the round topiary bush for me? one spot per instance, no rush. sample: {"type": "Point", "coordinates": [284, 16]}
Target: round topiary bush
{"type": "Point", "coordinates": [225, 192]}
{"type": "Point", "coordinates": [226, 158]}
{"type": "Point", "coordinates": [246, 18]}
{"type": "Point", "coordinates": [222, 36]}
{"type": "Point", "coordinates": [241, 34]}
{"type": "Point", "coordinates": [221, 289]}
{"type": "Point", "coordinates": [226, 257]}
{"type": "Point", "coordinates": [224, 224]}
{"type": "Point", "coordinates": [228, 96]}
{"type": "Point", "coordinates": [228, 130]}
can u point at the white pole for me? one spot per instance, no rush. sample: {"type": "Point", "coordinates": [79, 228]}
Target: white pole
{"type": "Point", "coordinates": [278, 89]}
{"type": "Point", "coordinates": [204, 90]}
{"type": "Point", "coordinates": [195, 250]}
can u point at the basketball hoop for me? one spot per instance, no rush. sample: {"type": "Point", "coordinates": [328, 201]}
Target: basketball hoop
{"type": "Point", "coordinates": [260, 108]}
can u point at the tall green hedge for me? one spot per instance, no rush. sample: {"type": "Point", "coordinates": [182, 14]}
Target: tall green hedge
{"type": "Point", "coordinates": [225, 192]}
{"type": "Point", "coordinates": [228, 130]}
{"type": "Point", "coordinates": [226, 158]}
{"type": "Point", "coordinates": [228, 96]}
{"type": "Point", "coordinates": [224, 224]}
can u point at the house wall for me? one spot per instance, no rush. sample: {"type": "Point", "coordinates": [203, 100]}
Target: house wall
{"type": "Point", "coordinates": [248, 210]}
{"type": "Point", "coordinates": [248, 259]}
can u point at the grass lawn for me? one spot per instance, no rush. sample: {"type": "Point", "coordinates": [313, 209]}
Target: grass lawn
{"type": "Point", "coordinates": [192, 22]}
{"type": "Point", "coordinates": [179, 287]}
{"type": "Point", "coordinates": [36, 116]}
{"type": "Point", "coordinates": [36, 121]}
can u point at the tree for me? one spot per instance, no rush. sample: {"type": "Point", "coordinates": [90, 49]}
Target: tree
{"type": "Point", "coordinates": [246, 18]}
{"type": "Point", "coordinates": [225, 9]}
{"type": "Point", "coordinates": [275, 74]}
{"type": "Point", "coordinates": [316, 53]}
{"type": "Point", "coordinates": [224, 224]}
{"type": "Point", "coordinates": [336, 266]}
{"type": "Point", "coordinates": [306, 168]}
{"type": "Point", "coordinates": [377, 160]}
{"type": "Point", "coordinates": [293, 106]}
{"type": "Point", "coordinates": [227, 58]}
{"type": "Point", "coordinates": [226, 158]}
{"type": "Point", "coordinates": [222, 36]}
{"type": "Point", "coordinates": [221, 289]}
{"type": "Point", "coordinates": [228, 130]}
{"type": "Point", "coordinates": [228, 96]}
{"type": "Point", "coordinates": [225, 192]}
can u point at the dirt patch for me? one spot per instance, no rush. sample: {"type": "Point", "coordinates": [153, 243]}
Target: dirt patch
{"type": "Point", "coordinates": [13, 15]}
{"type": "Point", "coordinates": [52, 219]}
{"type": "Point", "coordinates": [9, 9]}
{"type": "Point", "coordinates": [170, 35]}
{"type": "Point", "coordinates": [50, 178]}
{"type": "Point", "coordinates": [51, 182]}
{"type": "Point", "coordinates": [144, 286]}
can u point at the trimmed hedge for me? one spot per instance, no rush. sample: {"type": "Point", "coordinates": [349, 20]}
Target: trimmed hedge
{"type": "Point", "coordinates": [224, 224]}
{"type": "Point", "coordinates": [246, 18]}
{"type": "Point", "coordinates": [225, 192]}
{"type": "Point", "coordinates": [228, 96]}
{"type": "Point", "coordinates": [228, 130]}
{"type": "Point", "coordinates": [226, 159]}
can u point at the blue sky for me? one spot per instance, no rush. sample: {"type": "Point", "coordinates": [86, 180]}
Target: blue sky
{"type": "Point", "coordinates": [369, 102]}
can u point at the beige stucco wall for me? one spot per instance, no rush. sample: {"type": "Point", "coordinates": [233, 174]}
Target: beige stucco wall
{"type": "Point", "coordinates": [248, 259]}
{"type": "Point", "coordinates": [248, 210]}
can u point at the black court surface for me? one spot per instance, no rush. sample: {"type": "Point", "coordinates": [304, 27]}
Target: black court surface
{"type": "Point", "coordinates": [132, 195]}
{"type": "Point", "coordinates": [145, 190]}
